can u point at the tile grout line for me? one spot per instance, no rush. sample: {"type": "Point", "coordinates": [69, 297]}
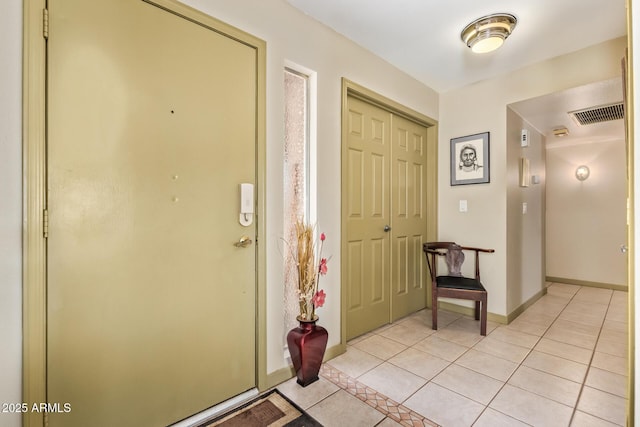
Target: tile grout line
{"type": "Point", "coordinates": [450, 363]}
{"type": "Point", "coordinates": [556, 317]}
{"type": "Point", "coordinates": [593, 353]}
{"type": "Point", "coordinates": [468, 348]}
{"type": "Point", "coordinates": [588, 365]}
{"type": "Point", "coordinates": [384, 402]}
{"type": "Point", "coordinates": [519, 366]}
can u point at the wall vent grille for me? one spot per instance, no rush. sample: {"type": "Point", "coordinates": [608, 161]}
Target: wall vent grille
{"type": "Point", "coordinates": [603, 113]}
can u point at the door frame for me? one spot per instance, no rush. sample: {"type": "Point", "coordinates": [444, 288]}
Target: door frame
{"type": "Point", "coordinates": [629, 91]}
{"type": "Point", "coordinates": [350, 88]}
{"type": "Point", "coordinates": [34, 172]}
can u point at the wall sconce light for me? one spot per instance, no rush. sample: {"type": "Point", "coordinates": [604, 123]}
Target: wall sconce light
{"type": "Point", "coordinates": [582, 172]}
{"type": "Point", "coordinates": [488, 33]}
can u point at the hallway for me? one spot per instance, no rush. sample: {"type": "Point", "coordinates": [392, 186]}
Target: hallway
{"type": "Point", "coordinates": [563, 362]}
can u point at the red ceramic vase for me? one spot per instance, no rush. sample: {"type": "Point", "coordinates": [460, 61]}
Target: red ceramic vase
{"type": "Point", "coordinates": [307, 344]}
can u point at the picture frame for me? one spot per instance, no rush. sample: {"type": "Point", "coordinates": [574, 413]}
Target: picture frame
{"type": "Point", "coordinates": [470, 159]}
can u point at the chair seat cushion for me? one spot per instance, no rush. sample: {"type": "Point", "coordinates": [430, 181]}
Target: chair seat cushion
{"type": "Point", "coordinates": [455, 282]}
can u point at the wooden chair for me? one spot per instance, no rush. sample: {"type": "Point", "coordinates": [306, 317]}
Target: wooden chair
{"type": "Point", "coordinates": [454, 285]}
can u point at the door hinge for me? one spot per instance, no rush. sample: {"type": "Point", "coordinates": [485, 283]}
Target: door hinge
{"type": "Point", "coordinates": [45, 24]}
{"type": "Point", "coordinates": [45, 223]}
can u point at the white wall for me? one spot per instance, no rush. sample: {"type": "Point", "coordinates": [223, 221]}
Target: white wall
{"type": "Point", "coordinates": [586, 220]}
{"type": "Point", "coordinates": [482, 107]}
{"type": "Point", "coordinates": [525, 231]}
{"type": "Point", "coordinates": [10, 208]}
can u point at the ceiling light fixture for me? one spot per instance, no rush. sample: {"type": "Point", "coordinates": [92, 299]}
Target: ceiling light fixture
{"type": "Point", "coordinates": [560, 132]}
{"type": "Point", "coordinates": [489, 32]}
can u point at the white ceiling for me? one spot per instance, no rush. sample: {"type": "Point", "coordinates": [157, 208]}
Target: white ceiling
{"type": "Point", "coordinates": [422, 38]}
{"type": "Point", "coordinates": [550, 112]}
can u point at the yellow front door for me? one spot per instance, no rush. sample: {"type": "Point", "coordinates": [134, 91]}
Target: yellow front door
{"type": "Point", "coordinates": [151, 129]}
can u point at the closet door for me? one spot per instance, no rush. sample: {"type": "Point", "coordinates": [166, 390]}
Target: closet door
{"type": "Point", "coordinates": [366, 187]}
{"type": "Point", "coordinates": [384, 177]}
{"type": "Point", "coordinates": [408, 216]}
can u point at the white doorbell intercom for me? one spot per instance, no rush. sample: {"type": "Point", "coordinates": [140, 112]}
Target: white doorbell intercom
{"type": "Point", "coordinates": [246, 204]}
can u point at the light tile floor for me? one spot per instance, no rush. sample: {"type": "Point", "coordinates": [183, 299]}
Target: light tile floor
{"type": "Point", "coordinates": [563, 362]}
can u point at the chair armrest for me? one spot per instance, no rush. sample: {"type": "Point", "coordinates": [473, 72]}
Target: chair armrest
{"type": "Point", "coordinates": [477, 251]}
{"type": "Point", "coordinates": [469, 248]}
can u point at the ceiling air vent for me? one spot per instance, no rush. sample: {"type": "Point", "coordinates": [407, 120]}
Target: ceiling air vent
{"type": "Point", "coordinates": [603, 113]}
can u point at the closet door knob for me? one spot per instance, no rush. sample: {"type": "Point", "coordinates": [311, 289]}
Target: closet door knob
{"type": "Point", "coordinates": [387, 228]}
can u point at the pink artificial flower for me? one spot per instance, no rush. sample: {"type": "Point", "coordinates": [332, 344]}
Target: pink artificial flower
{"type": "Point", "coordinates": [322, 269]}
{"type": "Point", "coordinates": [318, 298]}
{"type": "Point", "coordinates": [322, 237]}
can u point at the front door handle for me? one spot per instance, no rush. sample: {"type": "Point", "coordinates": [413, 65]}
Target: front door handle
{"type": "Point", "coordinates": [243, 242]}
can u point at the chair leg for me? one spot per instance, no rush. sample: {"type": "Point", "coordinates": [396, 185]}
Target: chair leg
{"type": "Point", "coordinates": [483, 317]}
{"type": "Point", "coordinates": [477, 310]}
{"type": "Point", "coordinates": [434, 310]}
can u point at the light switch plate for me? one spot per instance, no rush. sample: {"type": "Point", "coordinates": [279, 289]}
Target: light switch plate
{"type": "Point", "coordinates": [463, 205]}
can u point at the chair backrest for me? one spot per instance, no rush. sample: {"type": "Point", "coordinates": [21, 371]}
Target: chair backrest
{"type": "Point", "coordinates": [454, 257]}
{"type": "Point", "coordinates": [452, 253]}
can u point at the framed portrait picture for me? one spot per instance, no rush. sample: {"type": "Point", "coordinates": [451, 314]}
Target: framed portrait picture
{"type": "Point", "coordinates": [470, 159]}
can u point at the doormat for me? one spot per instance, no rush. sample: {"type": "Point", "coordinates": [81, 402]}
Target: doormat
{"type": "Point", "coordinates": [272, 409]}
